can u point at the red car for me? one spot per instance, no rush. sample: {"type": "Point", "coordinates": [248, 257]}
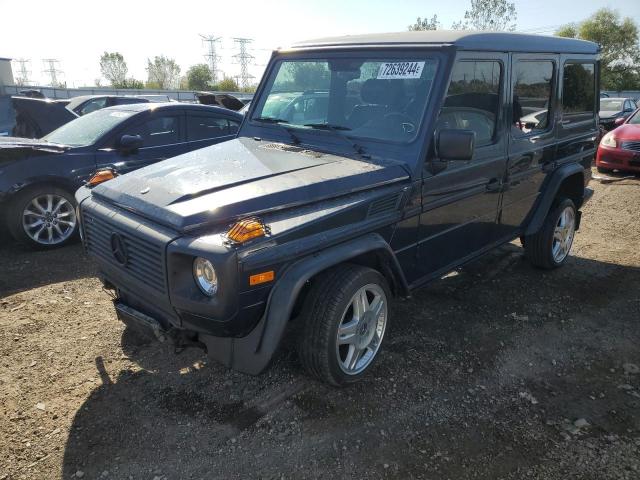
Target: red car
{"type": "Point", "coordinates": [620, 148]}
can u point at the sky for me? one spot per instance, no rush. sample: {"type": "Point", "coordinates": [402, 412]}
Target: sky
{"type": "Point", "coordinates": [78, 32]}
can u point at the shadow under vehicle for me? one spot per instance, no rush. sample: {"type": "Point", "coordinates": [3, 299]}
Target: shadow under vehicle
{"type": "Point", "coordinates": [414, 160]}
{"type": "Point", "coordinates": [38, 178]}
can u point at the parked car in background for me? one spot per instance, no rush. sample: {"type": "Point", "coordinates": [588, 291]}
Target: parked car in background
{"type": "Point", "coordinates": [385, 162]}
{"type": "Point", "coordinates": [38, 178]}
{"type": "Point", "coordinates": [36, 117]}
{"type": "Point", "coordinates": [614, 110]}
{"type": "Point", "coordinates": [620, 148]}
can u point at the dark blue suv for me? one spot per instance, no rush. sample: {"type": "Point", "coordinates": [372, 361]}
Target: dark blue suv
{"type": "Point", "coordinates": [39, 177]}
{"type": "Point", "coordinates": [366, 166]}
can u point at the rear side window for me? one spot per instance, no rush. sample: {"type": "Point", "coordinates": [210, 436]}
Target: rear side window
{"type": "Point", "coordinates": [202, 127]}
{"type": "Point", "coordinates": [578, 92]}
{"type": "Point", "coordinates": [473, 99]}
{"type": "Point", "coordinates": [158, 131]}
{"type": "Point", "coordinates": [533, 84]}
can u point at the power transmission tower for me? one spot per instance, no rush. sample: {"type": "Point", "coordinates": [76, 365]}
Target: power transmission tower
{"type": "Point", "coordinates": [51, 70]}
{"type": "Point", "coordinates": [23, 71]}
{"type": "Point", "coordinates": [243, 57]}
{"type": "Point", "coordinates": [212, 55]}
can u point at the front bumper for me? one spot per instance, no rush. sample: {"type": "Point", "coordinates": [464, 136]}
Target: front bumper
{"type": "Point", "coordinates": [618, 158]}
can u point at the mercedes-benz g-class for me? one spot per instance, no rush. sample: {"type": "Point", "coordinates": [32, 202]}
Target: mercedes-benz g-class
{"type": "Point", "coordinates": [365, 167]}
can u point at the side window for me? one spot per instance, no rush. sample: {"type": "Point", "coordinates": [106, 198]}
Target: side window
{"type": "Point", "coordinates": [158, 131]}
{"type": "Point", "coordinates": [233, 127]}
{"type": "Point", "coordinates": [92, 106]}
{"type": "Point", "coordinates": [473, 99]}
{"type": "Point", "coordinates": [202, 127]}
{"type": "Point", "coordinates": [578, 92]}
{"type": "Point", "coordinates": [533, 84]}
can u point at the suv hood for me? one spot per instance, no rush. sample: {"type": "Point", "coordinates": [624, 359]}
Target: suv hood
{"type": "Point", "coordinates": [238, 178]}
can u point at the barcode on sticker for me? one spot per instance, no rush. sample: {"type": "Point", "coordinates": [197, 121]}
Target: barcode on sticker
{"type": "Point", "coordinates": [399, 70]}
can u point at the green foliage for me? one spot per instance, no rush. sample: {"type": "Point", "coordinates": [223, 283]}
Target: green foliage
{"type": "Point", "coordinates": [113, 67]}
{"type": "Point", "coordinates": [425, 24]}
{"type": "Point", "coordinates": [198, 77]}
{"type": "Point", "coordinates": [488, 15]}
{"type": "Point", "coordinates": [129, 83]}
{"type": "Point", "coordinates": [227, 84]}
{"type": "Point", "coordinates": [163, 72]}
{"type": "Point", "coordinates": [618, 38]}
{"type": "Point", "coordinates": [301, 76]}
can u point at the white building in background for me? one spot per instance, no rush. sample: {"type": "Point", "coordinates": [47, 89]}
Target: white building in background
{"type": "Point", "coordinates": [6, 73]}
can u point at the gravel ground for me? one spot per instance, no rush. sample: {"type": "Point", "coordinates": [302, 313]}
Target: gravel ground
{"type": "Point", "coordinates": [497, 371]}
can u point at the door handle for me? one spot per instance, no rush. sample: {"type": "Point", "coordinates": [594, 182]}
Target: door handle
{"type": "Point", "coordinates": [494, 185]}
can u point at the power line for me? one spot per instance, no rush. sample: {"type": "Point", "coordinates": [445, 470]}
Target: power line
{"type": "Point", "coordinates": [23, 71]}
{"type": "Point", "coordinates": [51, 70]}
{"type": "Point", "coordinates": [243, 57]}
{"type": "Point", "coordinates": [212, 55]}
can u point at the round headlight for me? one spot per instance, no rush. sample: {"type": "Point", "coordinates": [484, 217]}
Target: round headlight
{"type": "Point", "coordinates": [205, 276]}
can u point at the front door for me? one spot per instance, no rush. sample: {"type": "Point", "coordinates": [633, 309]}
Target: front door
{"type": "Point", "coordinates": [531, 134]}
{"type": "Point", "coordinates": [460, 203]}
{"type": "Point", "coordinates": [162, 138]}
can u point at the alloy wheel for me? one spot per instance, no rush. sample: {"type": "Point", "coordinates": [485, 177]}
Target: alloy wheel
{"type": "Point", "coordinates": [49, 219]}
{"type": "Point", "coordinates": [563, 234]}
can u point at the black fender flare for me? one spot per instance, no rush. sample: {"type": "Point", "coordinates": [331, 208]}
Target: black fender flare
{"type": "Point", "coordinates": [252, 353]}
{"type": "Point", "coordinates": [550, 189]}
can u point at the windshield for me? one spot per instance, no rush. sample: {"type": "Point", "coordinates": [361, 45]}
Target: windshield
{"type": "Point", "coordinates": [611, 105]}
{"type": "Point", "coordinates": [86, 130]}
{"type": "Point", "coordinates": [375, 98]}
{"type": "Point", "coordinates": [635, 119]}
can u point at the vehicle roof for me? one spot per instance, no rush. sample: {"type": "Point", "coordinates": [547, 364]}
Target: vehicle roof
{"type": "Point", "coordinates": [462, 39]}
{"type": "Point", "coordinates": [141, 107]}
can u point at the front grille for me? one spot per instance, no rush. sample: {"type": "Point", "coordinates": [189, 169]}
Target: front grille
{"type": "Point", "coordinates": [144, 257]}
{"type": "Point", "coordinates": [631, 145]}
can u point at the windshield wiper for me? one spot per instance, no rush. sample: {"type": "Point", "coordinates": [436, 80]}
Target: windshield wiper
{"type": "Point", "coordinates": [337, 129]}
{"type": "Point", "coordinates": [279, 121]}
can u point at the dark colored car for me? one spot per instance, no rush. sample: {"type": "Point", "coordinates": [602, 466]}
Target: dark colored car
{"type": "Point", "coordinates": [614, 111]}
{"type": "Point", "coordinates": [620, 148]}
{"type": "Point", "coordinates": [35, 117]}
{"type": "Point", "coordinates": [39, 177]}
{"type": "Point", "coordinates": [310, 222]}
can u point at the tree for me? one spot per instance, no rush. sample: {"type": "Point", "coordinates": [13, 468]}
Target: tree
{"type": "Point", "coordinates": [163, 72]}
{"type": "Point", "coordinates": [488, 15]}
{"type": "Point", "coordinates": [618, 39]}
{"type": "Point", "coordinates": [425, 24]}
{"type": "Point", "coordinates": [130, 83]}
{"type": "Point", "coordinates": [199, 77]}
{"type": "Point", "coordinates": [113, 67]}
{"type": "Point", "coordinates": [227, 84]}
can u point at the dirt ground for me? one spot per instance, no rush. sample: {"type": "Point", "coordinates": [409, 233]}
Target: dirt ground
{"type": "Point", "coordinates": [497, 371]}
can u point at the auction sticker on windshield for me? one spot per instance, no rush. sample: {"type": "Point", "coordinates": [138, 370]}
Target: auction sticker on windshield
{"type": "Point", "coordinates": [400, 70]}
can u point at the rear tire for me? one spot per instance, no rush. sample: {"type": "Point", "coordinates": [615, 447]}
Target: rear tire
{"type": "Point", "coordinates": [549, 248]}
{"type": "Point", "coordinates": [43, 217]}
{"type": "Point", "coordinates": [344, 319]}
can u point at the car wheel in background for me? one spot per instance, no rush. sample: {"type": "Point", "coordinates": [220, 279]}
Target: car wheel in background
{"type": "Point", "coordinates": [343, 323]}
{"type": "Point", "coordinates": [43, 217]}
{"type": "Point", "coordinates": [549, 248]}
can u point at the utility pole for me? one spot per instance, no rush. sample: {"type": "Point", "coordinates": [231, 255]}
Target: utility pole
{"type": "Point", "coordinates": [23, 71]}
{"type": "Point", "coordinates": [51, 70]}
{"type": "Point", "coordinates": [212, 55]}
{"type": "Point", "coordinates": [243, 57]}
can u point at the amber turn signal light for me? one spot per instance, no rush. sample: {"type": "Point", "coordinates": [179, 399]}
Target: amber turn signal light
{"type": "Point", "coordinates": [246, 229]}
{"type": "Point", "coordinates": [101, 176]}
{"type": "Point", "coordinates": [263, 277]}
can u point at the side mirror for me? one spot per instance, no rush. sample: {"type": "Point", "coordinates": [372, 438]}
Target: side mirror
{"type": "Point", "coordinates": [619, 121]}
{"type": "Point", "coordinates": [454, 144]}
{"type": "Point", "coordinates": [130, 143]}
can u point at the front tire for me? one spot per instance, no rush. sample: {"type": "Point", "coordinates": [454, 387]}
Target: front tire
{"type": "Point", "coordinates": [549, 248]}
{"type": "Point", "coordinates": [43, 217]}
{"type": "Point", "coordinates": [343, 323]}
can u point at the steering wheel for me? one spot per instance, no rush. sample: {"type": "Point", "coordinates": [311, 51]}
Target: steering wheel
{"type": "Point", "coordinates": [402, 119]}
